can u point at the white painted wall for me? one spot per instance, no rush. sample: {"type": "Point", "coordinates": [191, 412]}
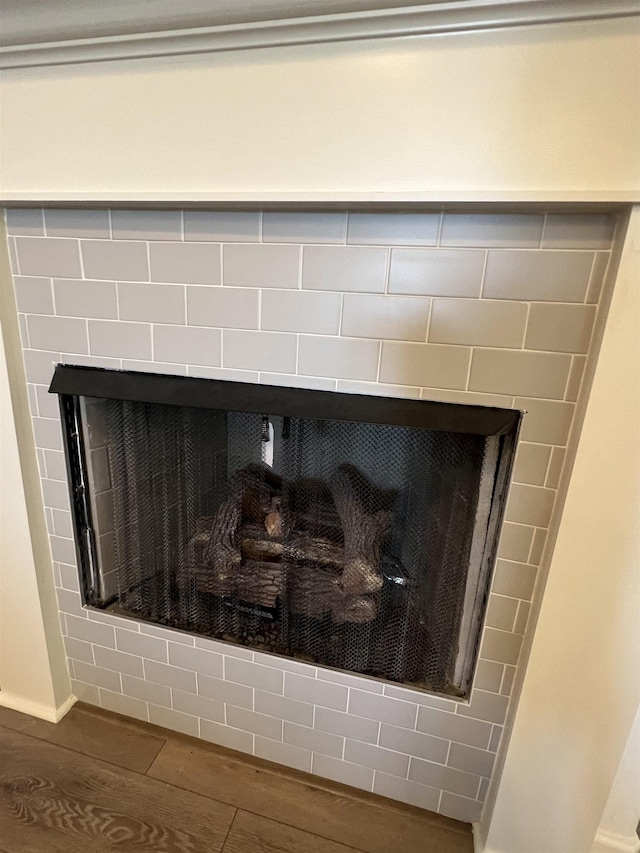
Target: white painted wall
{"type": "Point", "coordinates": [621, 816]}
{"type": "Point", "coordinates": [545, 112]}
{"type": "Point", "coordinates": [581, 690]}
{"type": "Point", "coordinates": [33, 671]}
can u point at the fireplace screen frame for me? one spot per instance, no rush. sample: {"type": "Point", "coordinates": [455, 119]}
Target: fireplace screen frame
{"type": "Point", "coordinates": [71, 382]}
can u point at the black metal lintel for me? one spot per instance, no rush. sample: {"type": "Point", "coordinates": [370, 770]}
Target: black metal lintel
{"type": "Point", "coordinates": [275, 400]}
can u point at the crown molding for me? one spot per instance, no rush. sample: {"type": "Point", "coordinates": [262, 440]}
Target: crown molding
{"type": "Point", "coordinates": [452, 16]}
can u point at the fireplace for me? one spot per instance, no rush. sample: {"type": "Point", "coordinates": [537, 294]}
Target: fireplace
{"type": "Point", "coordinates": [492, 311]}
{"type": "Point", "coordinates": [351, 532]}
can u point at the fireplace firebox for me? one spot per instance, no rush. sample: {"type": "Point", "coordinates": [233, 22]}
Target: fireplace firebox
{"type": "Point", "coordinates": [348, 531]}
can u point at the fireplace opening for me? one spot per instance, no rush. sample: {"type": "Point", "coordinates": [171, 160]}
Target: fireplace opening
{"type": "Point", "coordinates": [347, 531]}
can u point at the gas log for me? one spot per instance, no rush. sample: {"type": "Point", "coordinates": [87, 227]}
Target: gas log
{"type": "Point", "coordinates": [364, 534]}
{"type": "Point", "coordinates": [255, 541]}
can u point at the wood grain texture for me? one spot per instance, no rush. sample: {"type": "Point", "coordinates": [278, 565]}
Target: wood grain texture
{"type": "Point", "coordinates": [14, 719]}
{"type": "Point", "coordinates": [254, 834]}
{"type": "Point", "coordinates": [303, 802]}
{"type": "Point", "coordinates": [53, 800]}
{"type": "Point", "coordinates": [105, 736]}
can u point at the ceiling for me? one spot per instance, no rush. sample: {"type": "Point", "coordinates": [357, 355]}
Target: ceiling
{"type": "Point", "coordinates": [38, 21]}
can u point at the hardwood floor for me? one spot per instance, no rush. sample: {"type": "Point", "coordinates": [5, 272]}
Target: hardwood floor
{"type": "Point", "coordinates": [100, 782]}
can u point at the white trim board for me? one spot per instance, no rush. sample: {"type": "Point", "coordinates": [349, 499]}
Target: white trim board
{"type": "Point", "coordinates": [611, 842]}
{"type": "Point", "coordinates": [33, 709]}
{"type": "Point", "coordinates": [450, 16]}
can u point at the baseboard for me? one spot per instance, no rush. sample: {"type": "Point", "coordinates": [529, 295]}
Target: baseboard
{"type": "Point", "coordinates": [605, 842]}
{"type": "Point", "coordinates": [35, 709]}
{"type": "Point", "coordinates": [611, 842]}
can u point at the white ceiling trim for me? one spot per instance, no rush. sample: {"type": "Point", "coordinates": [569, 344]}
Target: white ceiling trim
{"type": "Point", "coordinates": [435, 18]}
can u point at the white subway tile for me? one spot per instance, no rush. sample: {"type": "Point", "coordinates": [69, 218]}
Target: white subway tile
{"type": "Point", "coordinates": [25, 221]}
{"type": "Point", "coordinates": [313, 740]}
{"type": "Point", "coordinates": [174, 720]}
{"type": "Point", "coordinates": [316, 692]}
{"type": "Point", "coordinates": [485, 706]}
{"type": "Point", "coordinates": [225, 691]}
{"type": "Point", "coordinates": [301, 311]}
{"type": "Point", "coordinates": [170, 676]}
{"type": "Point", "coordinates": [521, 230]}
{"type": "Point", "coordinates": [501, 646]}
{"type": "Point", "coordinates": [227, 736]}
{"type": "Point", "coordinates": [447, 778]}
{"type": "Point", "coordinates": [342, 771]}
{"type": "Point", "coordinates": [187, 345]}
{"type": "Point", "coordinates": [435, 365]}
{"type": "Point", "coordinates": [579, 231]}
{"type": "Point", "coordinates": [342, 358]}
{"type": "Point", "coordinates": [55, 494]}
{"type": "Point", "coordinates": [139, 644]}
{"type": "Point", "coordinates": [47, 433]}
{"type": "Point", "coordinates": [283, 753]}
{"type": "Point", "coordinates": [33, 294]}
{"type": "Point", "coordinates": [223, 307]}
{"type": "Point", "coordinates": [91, 632]}
{"type": "Point", "coordinates": [530, 504]}
{"type": "Point", "coordinates": [113, 260]}
{"type": "Point", "coordinates": [269, 351]}
{"type": "Point", "coordinates": [199, 706]}
{"type": "Point", "coordinates": [253, 675]}
{"type": "Point", "coordinates": [247, 265]}
{"type": "Point", "coordinates": [460, 808]}
{"type": "Point", "coordinates": [382, 708]}
{"type": "Point", "coordinates": [531, 374]}
{"type": "Point", "coordinates": [478, 322]}
{"type": "Point", "coordinates": [79, 650]}
{"type": "Point", "coordinates": [184, 263]}
{"type": "Point", "coordinates": [436, 272]}
{"type": "Point", "coordinates": [385, 760]}
{"type": "Point", "coordinates": [47, 332]}
{"type": "Point", "coordinates": [127, 705]}
{"type": "Point", "coordinates": [488, 676]}
{"type": "Point", "coordinates": [96, 299]}
{"type": "Point", "coordinates": [344, 268]}
{"type": "Point", "coordinates": [296, 227]}
{"type": "Point", "coordinates": [119, 661]}
{"type": "Point", "coordinates": [148, 691]}
{"type": "Point", "coordinates": [123, 340]}
{"type": "Point", "coordinates": [48, 257]}
{"type": "Point", "coordinates": [393, 229]}
{"type": "Point", "coordinates": [198, 660]}
{"type": "Point", "coordinates": [250, 721]}
{"type": "Point", "coordinates": [284, 708]}
{"type": "Point", "coordinates": [546, 421]}
{"type": "Point", "coordinates": [537, 276]}
{"type": "Point", "coordinates": [413, 743]}
{"type": "Point", "coordinates": [39, 366]}
{"type": "Point", "coordinates": [85, 692]}
{"type": "Point", "coordinates": [151, 303]}
{"type": "Point", "coordinates": [514, 578]}
{"type": "Point", "coordinates": [453, 727]}
{"type": "Point", "coordinates": [77, 223]}
{"type": "Point", "coordinates": [560, 328]}
{"type": "Point", "coordinates": [97, 676]}
{"type": "Point", "coordinates": [378, 389]}
{"type": "Point", "coordinates": [412, 793]}
{"type": "Point", "coordinates": [146, 224]}
{"type": "Point", "coordinates": [399, 318]}
{"type": "Point", "coordinates": [222, 226]}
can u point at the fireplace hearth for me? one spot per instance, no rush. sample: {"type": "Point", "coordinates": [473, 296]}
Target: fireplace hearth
{"type": "Point", "coordinates": [352, 532]}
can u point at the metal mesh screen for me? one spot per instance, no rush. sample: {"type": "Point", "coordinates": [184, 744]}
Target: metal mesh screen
{"type": "Point", "coordinates": [351, 550]}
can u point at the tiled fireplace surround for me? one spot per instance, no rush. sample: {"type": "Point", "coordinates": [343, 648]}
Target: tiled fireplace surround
{"type": "Point", "coordinates": [495, 309]}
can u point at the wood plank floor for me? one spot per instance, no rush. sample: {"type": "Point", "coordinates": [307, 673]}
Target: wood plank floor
{"type": "Point", "coordinates": [100, 782]}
